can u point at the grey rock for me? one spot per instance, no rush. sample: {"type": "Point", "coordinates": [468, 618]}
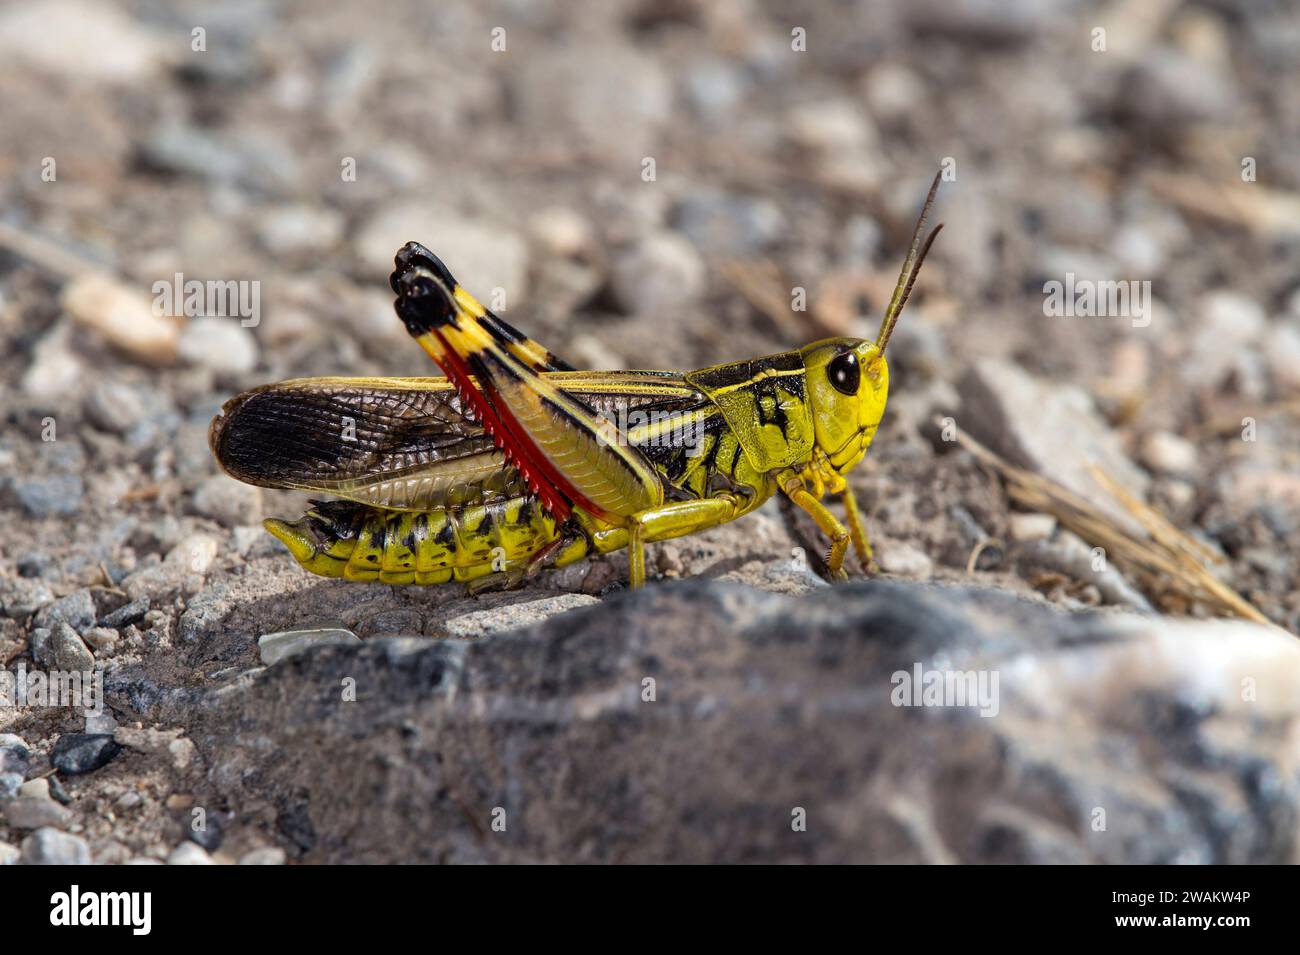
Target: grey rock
{"type": "Point", "coordinates": [14, 754]}
{"type": "Point", "coordinates": [114, 406]}
{"type": "Point", "coordinates": [660, 272]}
{"type": "Point", "coordinates": [28, 812]}
{"type": "Point", "coordinates": [481, 254]}
{"type": "Point", "coordinates": [478, 623]}
{"type": "Point", "coordinates": [15, 759]}
{"type": "Point", "coordinates": [300, 230]}
{"type": "Point", "coordinates": [77, 610]}
{"type": "Point", "coordinates": [275, 647]}
{"type": "Point", "coordinates": [97, 43]}
{"type": "Point", "coordinates": [264, 856]}
{"type": "Point", "coordinates": [39, 640]}
{"type": "Point", "coordinates": [67, 651]}
{"type": "Point", "coordinates": [226, 159]}
{"type": "Point", "coordinates": [101, 638]}
{"type": "Point", "coordinates": [209, 837]}
{"type": "Point", "coordinates": [728, 225]}
{"type": "Point", "coordinates": [51, 847]}
{"type": "Point", "coordinates": [9, 854]}
{"type": "Point", "coordinates": [76, 754]}
{"type": "Point", "coordinates": [223, 345]}
{"type": "Point", "coordinates": [21, 597]}
{"type": "Point", "coordinates": [1054, 430]}
{"type": "Point", "coordinates": [905, 560]}
{"type": "Point", "coordinates": [763, 704]}
{"type": "Point", "coordinates": [187, 853]}
{"type": "Point", "coordinates": [10, 785]}
{"type": "Point", "coordinates": [55, 495]}
{"type": "Point", "coordinates": [228, 501]}
{"type": "Point", "coordinates": [1166, 89]}
{"type": "Point", "coordinates": [34, 565]}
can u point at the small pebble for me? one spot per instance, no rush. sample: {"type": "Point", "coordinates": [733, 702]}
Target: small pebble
{"type": "Point", "coordinates": [560, 231]}
{"type": "Point", "coordinates": [228, 501]}
{"type": "Point", "coordinates": [78, 753]}
{"type": "Point", "coordinates": [56, 495]}
{"type": "Point", "coordinates": [15, 756]}
{"type": "Point", "coordinates": [128, 613]}
{"type": "Point", "coordinates": [124, 316]}
{"type": "Point", "coordinates": [9, 854]}
{"type": "Point", "coordinates": [101, 638]}
{"type": "Point", "coordinates": [39, 638]}
{"type": "Point", "coordinates": [209, 836]}
{"type": "Point", "coordinates": [223, 345]}
{"type": "Point", "coordinates": [33, 813]}
{"type": "Point", "coordinates": [264, 856]}
{"type": "Point", "coordinates": [21, 597]}
{"type": "Point", "coordinates": [114, 406]}
{"type": "Point", "coordinates": [906, 560]}
{"type": "Point", "coordinates": [274, 647]}
{"type": "Point", "coordinates": [98, 724]}
{"type": "Point", "coordinates": [67, 651]}
{"type": "Point", "coordinates": [36, 788]}
{"type": "Point", "coordinates": [51, 847]}
{"type": "Point", "coordinates": [187, 853]}
{"type": "Point", "coordinates": [1031, 527]}
{"type": "Point", "coordinates": [1167, 453]}
{"type": "Point", "coordinates": [34, 565]}
{"type": "Point", "coordinates": [77, 610]}
{"type": "Point", "coordinates": [300, 230]}
{"type": "Point", "coordinates": [662, 271]}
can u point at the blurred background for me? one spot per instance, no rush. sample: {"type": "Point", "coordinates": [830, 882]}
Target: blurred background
{"type": "Point", "coordinates": [647, 185]}
{"type": "Point", "coordinates": [663, 184]}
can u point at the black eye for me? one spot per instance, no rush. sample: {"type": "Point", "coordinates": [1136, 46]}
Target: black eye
{"type": "Point", "coordinates": [844, 373]}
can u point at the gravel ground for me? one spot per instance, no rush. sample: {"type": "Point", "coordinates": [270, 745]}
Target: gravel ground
{"type": "Point", "coordinates": [644, 184]}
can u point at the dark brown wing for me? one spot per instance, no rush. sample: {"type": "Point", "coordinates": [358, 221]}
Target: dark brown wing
{"type": "Point", "coordinates": [398, 443]}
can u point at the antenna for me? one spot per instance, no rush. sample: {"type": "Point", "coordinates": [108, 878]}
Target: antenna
{"type": "Point", "coordinates": [911, 267]}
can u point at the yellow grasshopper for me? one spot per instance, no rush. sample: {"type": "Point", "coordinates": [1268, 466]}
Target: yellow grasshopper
{"type": "Point", "coordinates": [514, 461]}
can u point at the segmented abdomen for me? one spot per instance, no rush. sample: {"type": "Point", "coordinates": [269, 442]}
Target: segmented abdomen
{"type": "Point", "coordinates": [344, 539]}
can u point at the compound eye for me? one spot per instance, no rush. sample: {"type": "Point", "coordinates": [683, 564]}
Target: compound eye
{"type": "Point", "coordinates": [844, 373]}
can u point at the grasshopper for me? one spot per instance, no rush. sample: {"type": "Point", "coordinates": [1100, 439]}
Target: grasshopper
{"type": "Point", "coordinates": [514, 461]}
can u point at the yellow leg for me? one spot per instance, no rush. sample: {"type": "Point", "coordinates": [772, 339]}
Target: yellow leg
{"type": "Point", "coordinates": [662, 523]}
{"type": "Point", "coordinates": [830, 526]}
{"type": "Point", "coordinates": [636, 555]}
{"type": "Point", "coordinates": [857, 529]}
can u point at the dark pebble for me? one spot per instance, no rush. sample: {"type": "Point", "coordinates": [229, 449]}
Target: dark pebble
{"type": "Point", "coordinates": [33, 565]}
{"type": "Point", "coordinates": [128, 613]}
{"type": "Point", "coordinates": [57, 792]}
{"type": "Point", "coordinates": [78, 753]}
{"type": "Point", "coordinates": [209, 837]}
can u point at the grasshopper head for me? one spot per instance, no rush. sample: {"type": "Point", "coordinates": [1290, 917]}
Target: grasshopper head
{"type": "Point", "coordinates": [848, 378]}
{"type": "Point", "coordinates": [848, 382]}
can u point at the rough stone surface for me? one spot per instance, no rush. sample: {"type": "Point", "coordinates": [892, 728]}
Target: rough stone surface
{"type": "Point", "coordinates": [78, 753]}
{"type": "Point", "coordinates": [1052, 429]}
{"type": "Point", "coordinates": [766, 704]}
{"type": "Point", "coordinates": [51, 847]}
